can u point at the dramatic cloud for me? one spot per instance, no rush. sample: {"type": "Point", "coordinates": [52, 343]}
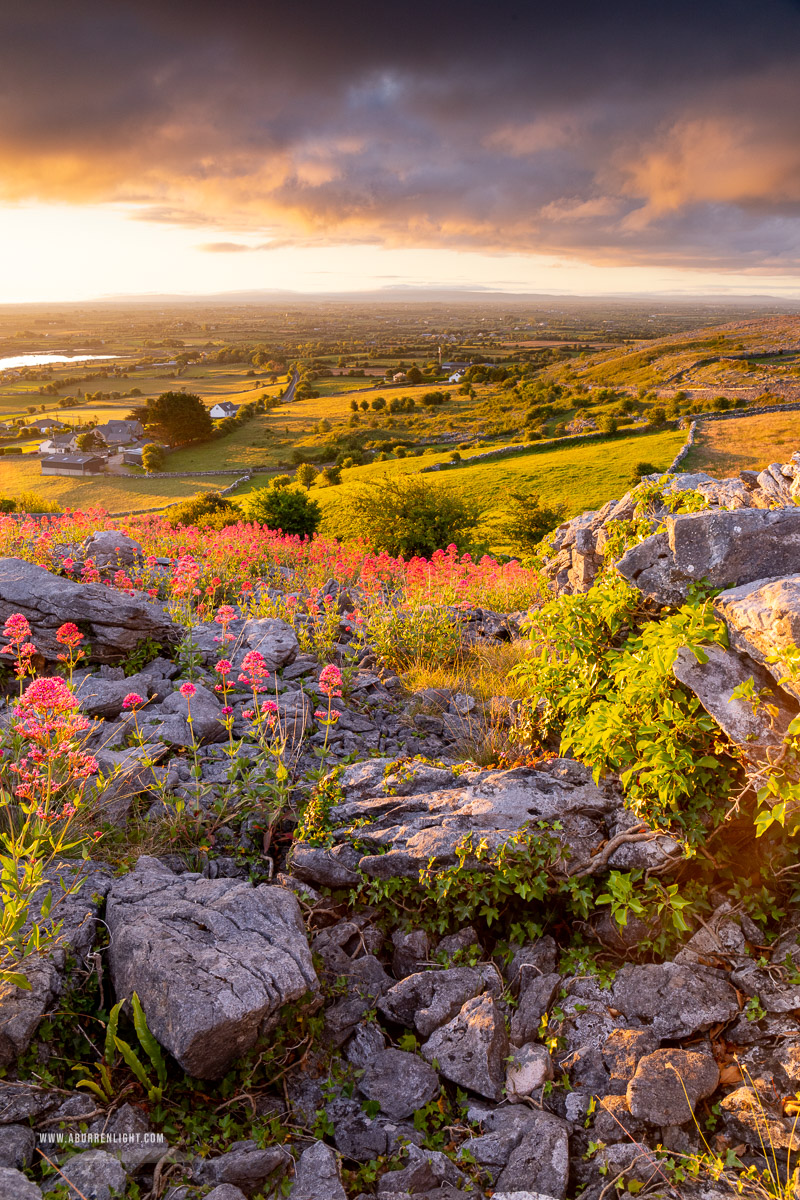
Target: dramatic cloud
{"type": "Point", "coordinates": [617, 133]}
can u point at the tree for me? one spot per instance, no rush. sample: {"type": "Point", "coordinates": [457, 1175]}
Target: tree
{"type": "Point", "coordinates": [152, 457]}
{"type": "Point", "coordinates": [409, 516]}
{"type": "Point", "coordinates": [330, 476]}
{"type": "Point", "coordinates": [378, 404]}
{"type": "Point", "coordinates": [88, 441]}
{"type": "Point", "coordinates": [526, 520]}
{"type": "Point", "coordinates": [414, 375]}
{"type": "Point", "coordinates": [176, 418]}
{"type": "Point", "coordinates": [642, 468]}
{"type": "Point", "coordinates": [306, 474]}
{"type": "Point", "coordinates": [205, 510]}
{"type": "Point", "coordinates": [289, 509]}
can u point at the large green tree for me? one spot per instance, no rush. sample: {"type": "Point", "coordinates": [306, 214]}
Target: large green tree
{"type": "Point", "coordinates": [175, 418]}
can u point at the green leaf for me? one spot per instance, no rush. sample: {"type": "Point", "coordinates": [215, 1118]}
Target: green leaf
{"type": "Point", "coordinates": [133, 1062]}
{"type": "Point", "coordinates": [18, 980]}
{"type": "Point", "coordinates": [149, 1043]}
{"type": "Point", "coordinates": [111, 1034]}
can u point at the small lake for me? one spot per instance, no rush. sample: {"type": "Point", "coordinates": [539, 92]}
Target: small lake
{"type": "Point", "coordinates": [41, 360]}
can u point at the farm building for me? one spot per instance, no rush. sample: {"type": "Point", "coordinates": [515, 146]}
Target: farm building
{"type": "Point", "coordinates": [73, 464]}
{"type": "Point", "coordinates": [224, 409]}
{"type": "Point", "coordinates": [117, 434]}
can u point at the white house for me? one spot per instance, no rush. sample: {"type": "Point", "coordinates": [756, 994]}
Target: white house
{"type": "Point", "coordinates": [224, 409]}
{"type": "Point", "coordinates": [456, 377]}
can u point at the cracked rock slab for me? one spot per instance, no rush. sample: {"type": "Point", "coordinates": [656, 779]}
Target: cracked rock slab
{"type": "Point", "coordinates": [212, 961]}
{"type": "Point", "coordinates": [471, 1050]}
{"type": "Point", "coordinates": [115, 622]}
{"type": "Point", "coordinates": [763, 620]}
{"type": "Point", "coordinates": [421, 814]}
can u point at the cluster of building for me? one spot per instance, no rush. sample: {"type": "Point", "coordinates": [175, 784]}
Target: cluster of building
{"type": "Point", "coordinates": [116, 443]}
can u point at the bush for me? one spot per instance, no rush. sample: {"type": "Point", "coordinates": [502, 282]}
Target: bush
{"type": "Point", "coordinates": [641, 469]}
{"type": "Point", "coordinates": [153, 457]}
{"type": "Point", "coordinates": [409, 516]}
{"type": "Point", "coordinates": [206, 510]}
{"type": "Point", "coordinates": [306, 474]}
{"type": "Point", "coordinates": [289, 509]}
{"type": "Point", "coordinates": [657, 416]}
{"type": "Point", "coordinates": [329, 476]}
{"type": "Point", "coordinates": [526, 520]}
{"type": "Point", "coordinates": [606, 423]}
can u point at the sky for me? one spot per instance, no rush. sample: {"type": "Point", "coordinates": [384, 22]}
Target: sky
{"type": "Point", "coordinates": [158, 146]}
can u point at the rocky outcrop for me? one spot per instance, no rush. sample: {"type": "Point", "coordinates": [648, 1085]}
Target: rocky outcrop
{"type": "Point", "coordinates": [396, 823]}
{"type": "Point", "coordinates": [763, 621]}
{"type": "Point", "coordinates": [212, 961]}
{"type": "Point", "coordinates": [722, 548]}
{"type": "Point", "coordinates": [115, 622]}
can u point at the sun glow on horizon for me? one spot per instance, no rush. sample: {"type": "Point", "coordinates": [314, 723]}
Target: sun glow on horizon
{"type": "Point", "coordinates": [62, 253]}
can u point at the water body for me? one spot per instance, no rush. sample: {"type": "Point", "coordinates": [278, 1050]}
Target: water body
{"type": "Point", "coordinates": [41, 360]}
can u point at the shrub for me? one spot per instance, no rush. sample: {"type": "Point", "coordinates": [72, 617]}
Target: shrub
{"type": "Point", "coordinates": [526, 520]}
{"type": "Point", "coordinates": [408, 516]}
{"type": "Point", "coordinates": [289, 509]}
{"type": "Point", "coordinates": [641, 469]}
{"type": "Point", "coordinates": [153, 457]}
{"type": "Point", "coordinates": [329, 476]}
{"type": "Point", "coordinates": [606, 423]}
{"type": "Point", "coordinates": [306, 474]}
{"type": "Point", "coordinates": [207, 510]}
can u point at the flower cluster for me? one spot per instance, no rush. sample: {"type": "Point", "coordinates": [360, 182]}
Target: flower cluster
{"type": "Point", "coordinates": [330, 681]}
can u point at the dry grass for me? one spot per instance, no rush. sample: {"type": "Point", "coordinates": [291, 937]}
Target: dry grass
{"type": "Point", "coordinates": [482, 671]}
{"type": "Point", "coordinates": [723, 448]}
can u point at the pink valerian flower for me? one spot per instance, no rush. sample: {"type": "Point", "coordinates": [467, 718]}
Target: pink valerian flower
{"type": "Point", "coordinates": [248, 714]}
{"type": "Point", "coordinates": [132, 700]}
{"type": "Point", "coordinates": [16, 628]}
{"type": "Point", "coordinates": [224, 667]}
{"type": "Point", "coordinates": [330, 680]}
{"type": "Point", "coordinates": [46, 695]}
{"type": "Point", "coordinates": [226, 710]}
{"type": "Point", "coordinates": [254, 671]}
{"type": "Point", "coordinates": [69, 635]}
{"type": "Point", "coordinates": [269, 706]}
{"type": "Point", "coordinates": [52, 763]}
{"type": "Point", "coordinates": [90, 573]}
{"type": "Point", "coordinates": [225, 614]}
{"type": "Point", "coordinates": [69, 565]}
{"type": "Point", "coordinates": [187, 689]}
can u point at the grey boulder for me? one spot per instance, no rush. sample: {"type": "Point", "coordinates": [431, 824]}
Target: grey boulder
{"type": "Point", "coordinates": [668, 1085]}
{"type": "Point", "coordinates": [211, 960]}
{"type": "Point", "coordinates": [116, 623]}
{"type": "Point", "coordinates": [399, 1082]}
{"type": "Point", "coordinates": [244, 1166]}
{"type": "Point", "coordinates": [541, 1160]}
{"type": "Point", "coordinates": [112, 548]}
{"type": "Point", "coordinates": [724, 548]}
{"type": "Point", "coordinates": [472, 1048]}
{"type": "Point", "coordinates": [94, 1173]}
{"type": "Point", "coordinates": [674, 1000]}
{"type": "Point", "coordinates": [431, 998]}
{"type": "Point", "coordinates": [317, 1174]}
{"type": "Point", "coordinates": [763, 620]}
{"type": "Point", "coordinates": [17, 1146]}
{"type": "Point", "coordinates": [14, 1186]}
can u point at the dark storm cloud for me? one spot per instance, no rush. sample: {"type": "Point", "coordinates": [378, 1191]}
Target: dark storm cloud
{"type": "Point", "coordinates": [621, 132]}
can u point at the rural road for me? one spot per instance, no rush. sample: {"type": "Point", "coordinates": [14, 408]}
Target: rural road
{"type": "Point", "coordinates": [288, 396]}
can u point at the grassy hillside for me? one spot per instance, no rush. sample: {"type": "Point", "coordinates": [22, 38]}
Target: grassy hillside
{"type": "Point", "coordinates": [113, 492]}
{"type": "Point", "coordinates": [580, 477]}
{"type": "Point", "coordinates": [724, 448]}
{"type": "Point", "coordinates": [706, 360]}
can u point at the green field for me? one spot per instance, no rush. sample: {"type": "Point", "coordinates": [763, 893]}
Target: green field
{"type": "Point", "coordinates": [113, 492]}
{"type": "Point", "coordinates": [580, 477]}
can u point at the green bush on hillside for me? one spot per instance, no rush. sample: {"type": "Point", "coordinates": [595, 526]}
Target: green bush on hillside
{"type": "Point", "coordinates": [526, 519]}
{"type": "Point", "coordinates": [408, 516]}
{"type": "Point", "coordinates": [289, 509]}
{"type": "Point", "coordinates": [207, 510]}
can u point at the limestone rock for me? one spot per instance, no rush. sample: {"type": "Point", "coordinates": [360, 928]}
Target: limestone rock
{"type": "Point", "coordinates": [541, 1160]}
{"type": "Point", "coordinates": [725, 548]}
{"type": "Point", "coordinates": [112, 548]}
{"type": "Point", "coordinates": [668, 1085]}
{"type": "Point", "coordinates": [430, 998]}
{"type": "Point", "coordinates": [534, 1002]}
{"type": "Point", "coordinates": [400, 1082]}
{"type": "Point", "coordinates": [411, 952]}
{"type": "Point", "coordinates": [529, 1069]}
{"type": "Point", "coordinates": [273, 638]}
{"type": "Point", "coordinates": [116, 623]}
{"type": "Point", "coordinates": [94, 1173]}
{"type": "Point", "coordinates": [472, 1048]}
{"type": "Point", "coordinates": [317, 1174]}
{"type": "Point", "coordinates": [750, 1118]}
{"type": "Point", "coordinates": [713, 682]}
{"type": "Point", "coordinates": [14, 1186]}
{"type": "Point", "coordinates": [17, 1146]}
{"type": "Point", "coordinates": [406, 829]}
{"type": "Point", "coordinates": [763, 619]}
{"type": "Point", "coordinates": [244, 1166]}
{"type": "Point", "coordinates": [211, 960]}
{"type": "Point", "coordinates": [673, 1001]}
